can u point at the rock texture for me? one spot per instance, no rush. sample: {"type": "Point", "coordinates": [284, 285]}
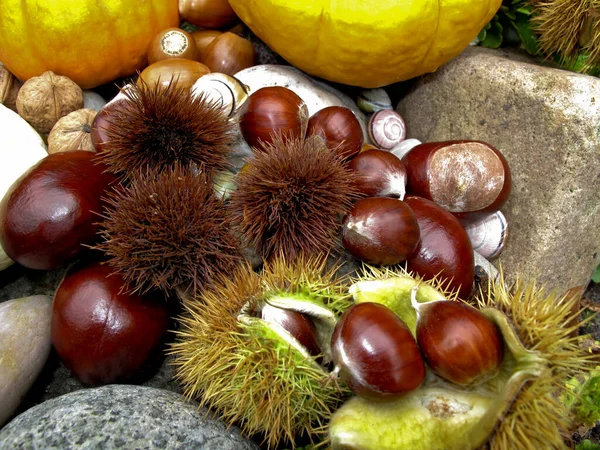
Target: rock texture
{"type": "Point", "coordinates": [120, 416]}
{"type": "Point", "coordinates": [24, 348]}
{"type": "Point", "coordinates": [546, 122]}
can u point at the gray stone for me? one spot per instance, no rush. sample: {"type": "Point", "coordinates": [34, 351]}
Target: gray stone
{"type": "Point", "coordinates": [24, 348]}
{"type": "Point", "coordinates": [120, 416]}
{"type": "Point", "coordinates": [546, 122]}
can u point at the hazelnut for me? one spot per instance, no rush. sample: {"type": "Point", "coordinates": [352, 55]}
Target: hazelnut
{"type": "Point", "coordinates": [9, 88]}
{"type": "Point", "coordinates": [45, 99]}
{"type": "Point", "coordinates": [72, 132]}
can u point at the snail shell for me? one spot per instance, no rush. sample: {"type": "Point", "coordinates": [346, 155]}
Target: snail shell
{"type": "Point", "coordinates": [373, 100]}
{"type": "Point", "coordinates": [386, 129]}
{"type": "Point", "coordinates": [488, 235]}
{"type": "Point", "coordinates": [404, 147]}
{"type": "Point", "coordinates": [226, 91]}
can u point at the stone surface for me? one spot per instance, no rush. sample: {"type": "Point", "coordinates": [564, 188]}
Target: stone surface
{"type": "Point", "coordinates": [24, 348]}
{"type": "Point", "coordinates": [120, 416]}
{"type": "Point", "coordinates": [547, 123]}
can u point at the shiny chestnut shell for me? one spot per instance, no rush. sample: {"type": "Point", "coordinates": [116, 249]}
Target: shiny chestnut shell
{"type": "Point", "coordinates": [376, 353]}
{"type": "Point", "coordinates": [340, 129]}
{"type": "Point", "coordinates": [101, 334]}
{"type": "Point", "coordinates": [52, 210]}
{"type": "Point", "coordinates": [184, 71]}
{"type": "Point", "coordinates": [269, 110]}
{"type": "Point", "coordinates": [228, 53]}
{"type": "Point", "coordinates": [379, 174]}
{"type": "Point", "coordinates": [444, 248]}
{"type": "Point", "coordinates": [380, 230]}
{"type": "Point", "coordinates": [468, 178]}
{"type": "Point", "coordinates": [101, 123]}
{"type": "Point", "coordinates": [458, 342]}
{"type": "Point", "coordinates": [207, 13]}
{"type": "Point", "coordinates": [203, 38]}
{"type": "Point", "coordinates": [172, 43]}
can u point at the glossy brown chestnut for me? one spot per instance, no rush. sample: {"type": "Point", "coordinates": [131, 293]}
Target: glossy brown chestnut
{"type": "Point", "coordinates": [228, 53]}
{"type": "Point", "coordinates": [459, 342]}
{"type": "Point", "coordinates": [184, 71]}
{"type": "Point", "coordinates": [299, 325]}
{"type": "Point", "coordinates": [203, 38]}
{"type": "Point", "coordinates": [270, 110]}
{"type": "Point", "coordinates": [444, 248]}
{"type": "Point", "coordinates": [380, 230]}
{"type": "Point", "coordinates": [380, 174]}
{"type": "Point", "coordinates": [468, 178]}
{"type": "Point", "coordinates": [52, 210]}
{"type": "Point", "coordinates": [207, 13]}
{"type": "Point", "coordinates": [340, 129]}
{"type": "Point", "coordinates": [172, 43]}
{"type": "Point", "coordinates": [375, 352]}
{"type": "Point", "coordinates": [101, 122]}
{"type": "Point", "coordinates": [101, 334]}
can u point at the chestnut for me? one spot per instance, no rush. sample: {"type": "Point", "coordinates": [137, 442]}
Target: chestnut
{"type": "Point", "coordinates": [380, 230]}
{"type": "Point", "coordinates": [458, 342]}
{"type": "Point", "coordinates": [340, 129]}
{"type": "Point", "coordinates": [299, 325]}
{"type": "Point", "coordinates": [228, 53]}
{"type": "Point", "coordinates": [207, 13]}
{"type": "Point", "coordinates": [172, 43]}
{"type": "Point", "coordinates": [52, 210]}
{"type": "Point", "coordinates": [379, 174]}
{"type": "Point", "coordinates": [203, 38]}
{"type": "Point", "coordinates": [102, 333]}
{"type": "Point", "coordinates": [375, 352]}
{"type": "Point", "coordinates": [444, 248]}
{"type": "Point", "coordinates": [102, 120]}
{"type": "Point", "coordinates": [184, 71]}
{"type": "Point", "coordinates": [269, 110]}
{"type": "Point", "coordinates": [468, 178]}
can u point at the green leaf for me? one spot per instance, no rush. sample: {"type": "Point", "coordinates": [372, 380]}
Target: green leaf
{"type": "Point", "coordinates": [582, 396]}
{"type": "Point", "coordinates": [528, 37]}
{"type": "Point", "coordinates": [493, 36]}
{"type": "Point", "coordinates": [587, 445]}
{"type": "Point", "coordinates": [596, 275]}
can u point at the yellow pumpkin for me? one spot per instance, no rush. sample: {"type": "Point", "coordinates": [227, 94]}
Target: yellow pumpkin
{"type": "Point", "coordinates": [368, 43]}
{"type": "Point", "coordinates": [90, 41]}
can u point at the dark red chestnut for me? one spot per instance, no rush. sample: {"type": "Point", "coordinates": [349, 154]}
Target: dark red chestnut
{"type": "Point", "coordinates": [375, 352]}
{"type": "Point", "coordinates": [340, 129]}
{"type": "Point", "coordinates": [459, 342]}
{"type": "Point", "coordinates": [102, 120]}
{"type": "Point", "coordinates": [380, 174]}
{"type": "Point", "coordinates": [228, 53]}
{"type": "Point", "coordinates": [444, 249]}
{"type": "Point", "coordinates": [465, 177]}
{"type": "Point", "coordinates": [380, 230]}
{"type": "Point", "coordinates": [269, 110]}
{"type": "Point", "coordinates": [52, 210]}
{"type": "Point", "coordinates": [299, 325]}
{"type": "Point", "coordinates": [101, 334]}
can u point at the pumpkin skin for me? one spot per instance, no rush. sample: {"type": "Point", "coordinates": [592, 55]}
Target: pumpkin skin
{"type": "Point", "coordinates": [90, 41]}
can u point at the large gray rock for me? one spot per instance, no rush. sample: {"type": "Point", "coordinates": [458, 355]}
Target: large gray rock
{"type": "Point", "coordinates": [120, 416]}
{"type": "Point", "coordinates": [546, 122]}
{"type": "Point", "coordinates": [24, 348]}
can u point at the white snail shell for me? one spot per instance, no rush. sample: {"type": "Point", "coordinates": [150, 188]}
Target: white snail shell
{"type": "Point", "coordinates": [488, 235]}
{"type": "Point", "coordinates": [404, 147]}
{"type": "Point", "coordinates": [373, 100]}
{"type": "Point", "coordinates": [226, 91]}
{"type": "Point", "coordinates": [386, 129]}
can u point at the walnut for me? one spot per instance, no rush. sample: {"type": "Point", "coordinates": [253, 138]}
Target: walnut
{"type": "Point", "coordinates": [45, 99]}
{"type": "Point", "coordinates": [72, 132]}
{"type": "Point", "coordinates": [9, 87]}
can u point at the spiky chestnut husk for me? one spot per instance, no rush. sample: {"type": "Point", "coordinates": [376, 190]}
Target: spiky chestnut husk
{"type": "Point", "coordinates": [168, 231]}
{"type": "Point", "coordinates": [157, 126]}
{"type": "Point", "coordinates": [290, 198]}
{"type": "Point", "coordinates": [570, 28]}
{"type": "Point", "coordinates": [242, 370]}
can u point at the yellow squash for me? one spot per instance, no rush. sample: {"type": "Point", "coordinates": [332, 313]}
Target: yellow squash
{"type": "Point", "coordinates": [90, 41]}
{"type": "Point", "coordinates": [367, 43]}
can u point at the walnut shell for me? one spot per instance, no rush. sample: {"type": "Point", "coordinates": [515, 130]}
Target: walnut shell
{"type": "Point", "coordinates": [9, 88]}
{"type": "Point", "coordinates": [72, 132]}
{"type": "Point", "coordinates": [45, 99]}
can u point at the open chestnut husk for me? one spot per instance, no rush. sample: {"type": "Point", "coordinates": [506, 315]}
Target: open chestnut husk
{"type": "Point", "coordinates": [381, 231]}
{"type": "Point", "coordinates": [102, 333]}
{"type": "Point", "coordinates": [271, 110]}
{"type": "Point", "coordinates": [380, 174]}
{"type": "Point", "coordinates": [340, 129]}
{"type": "Point", "coordinates": [52, 210]}
{"type": "Point", "coordinates": [444, 248]}
{"type": "Point", "coordinates": [468, 178]}
{"type": "Point", "coordinates": [375, 352]}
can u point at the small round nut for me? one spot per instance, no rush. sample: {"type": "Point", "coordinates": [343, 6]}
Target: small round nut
{"type": "Point", "coordinates": [45, 99]}
{"type": "Point", "coordinates": [9, 88]}
{"type": "Point", "coordinates": [72, 132]}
